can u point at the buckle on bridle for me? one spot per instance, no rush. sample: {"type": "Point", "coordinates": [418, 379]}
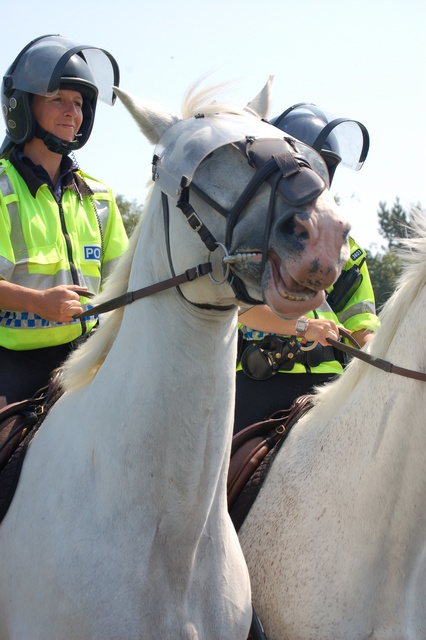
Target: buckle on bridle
{"type": "Point", "coordinates": [193, 223]}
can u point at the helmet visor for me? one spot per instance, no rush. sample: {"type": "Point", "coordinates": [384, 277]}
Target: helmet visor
{"type": "Point", "coordinates": [40, 66]}
{"type": "Point", "coordinates": [347, 138]}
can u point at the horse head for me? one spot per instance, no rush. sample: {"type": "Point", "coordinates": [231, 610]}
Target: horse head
{"type": "Point", "coordinates": [258, 199]}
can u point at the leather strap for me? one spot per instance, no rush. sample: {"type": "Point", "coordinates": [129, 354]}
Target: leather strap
{"type": "Point", "coordinates": [384, 365]}
{"type": "Point", "coordinates": [127, 298]}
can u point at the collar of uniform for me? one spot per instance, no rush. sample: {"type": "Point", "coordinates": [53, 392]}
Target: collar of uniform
{"type": "Point", "coordinates": [35, 175]}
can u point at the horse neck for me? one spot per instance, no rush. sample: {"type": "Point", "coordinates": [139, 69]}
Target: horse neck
{"type": "Point", "coordinates": [375, 420]}
{"type": "Point", "coordinates": [173, 367]}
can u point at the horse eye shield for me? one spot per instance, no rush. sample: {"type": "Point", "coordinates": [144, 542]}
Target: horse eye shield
{"type": "Point", "coordinates": [187, 143]}
{"type": "Point", "coordinates": [303, 171]}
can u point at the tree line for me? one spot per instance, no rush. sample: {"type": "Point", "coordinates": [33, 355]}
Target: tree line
{"type": "Point", "coordinates": [383, 264]}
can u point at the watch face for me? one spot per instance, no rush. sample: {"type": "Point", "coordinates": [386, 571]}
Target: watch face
{"type": "Point", "coordinates": [302, 326]}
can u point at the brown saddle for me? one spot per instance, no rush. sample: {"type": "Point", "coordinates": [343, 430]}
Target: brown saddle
{"type": "Point", "coordinates": [19, 422]}
{"type": "Point", "coordinates": [252, 453]}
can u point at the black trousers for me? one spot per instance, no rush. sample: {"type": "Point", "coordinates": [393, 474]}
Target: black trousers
{"type": "Point", "coordinates": [23, 373]}
{"type": "Point", "coordinates": [256, 400]}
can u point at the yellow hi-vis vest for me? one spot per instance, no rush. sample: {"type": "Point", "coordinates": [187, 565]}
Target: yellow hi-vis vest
{"type": "Point", "coordinates": [358, 313]}
{"type": "Point", "coordinates": [44, 244]}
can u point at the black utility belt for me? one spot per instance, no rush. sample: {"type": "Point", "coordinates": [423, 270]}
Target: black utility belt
{"type": "Point", "coordinates": [261, 359]}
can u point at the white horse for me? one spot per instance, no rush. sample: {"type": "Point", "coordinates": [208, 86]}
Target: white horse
{"type": "Point", "coordinates": [336, 540]}
{"type": "Point", "coordinates": [119, 528]}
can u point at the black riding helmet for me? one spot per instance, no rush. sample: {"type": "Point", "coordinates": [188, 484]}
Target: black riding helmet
{"type": "Point", "coordinates": [338, 140]}
{"type": "Point", "coordinates": [44, 66]}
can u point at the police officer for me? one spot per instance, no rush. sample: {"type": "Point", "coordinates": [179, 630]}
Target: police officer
{"type": "Point", "coordinates": [273, 370]}
{"type": "Point", "coordinates": [60, 229]}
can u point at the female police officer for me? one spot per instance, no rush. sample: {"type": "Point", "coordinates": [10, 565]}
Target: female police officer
{"type": "Point", "coordinates": [60, 229]}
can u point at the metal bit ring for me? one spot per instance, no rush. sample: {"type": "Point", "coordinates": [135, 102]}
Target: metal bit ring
{"type": "Point", "coordinates": [227, 266]}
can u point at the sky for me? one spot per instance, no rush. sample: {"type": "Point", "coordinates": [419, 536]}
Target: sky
{"type": "Point", "coordinates": [363, 59]}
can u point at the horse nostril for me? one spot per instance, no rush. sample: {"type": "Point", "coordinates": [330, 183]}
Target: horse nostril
{"type": "Point", "coordinates": [300, 230]}
{"type": "Point", "coordinates": [293, 228]}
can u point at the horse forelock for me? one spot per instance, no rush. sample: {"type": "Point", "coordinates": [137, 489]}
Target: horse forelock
{"type": "Point", "coordinates": [207, 101]}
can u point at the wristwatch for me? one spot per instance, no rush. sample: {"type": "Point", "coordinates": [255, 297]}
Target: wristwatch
{"type": "Point", "coordinates": [301, 327]}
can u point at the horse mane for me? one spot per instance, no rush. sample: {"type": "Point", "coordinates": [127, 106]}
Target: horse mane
{"type": "Point", "coordinates": [83, 364]}
{"type": "Point", "coordinates": [412, 254]}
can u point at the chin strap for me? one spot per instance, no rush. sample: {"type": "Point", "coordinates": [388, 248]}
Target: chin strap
{"type": "Point", "coordinates": [55, 144]}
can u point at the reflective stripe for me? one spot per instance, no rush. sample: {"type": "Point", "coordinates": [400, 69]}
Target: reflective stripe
{"type": "Point", "coordinates": [41, 282]}
{"type": "Point", "coordinates": [16, 233]}
{"type": "Point", "coordinates": [5, 183]}
{"type": "Point", "coordinates": [102, 206]}
{"type": "Point", "coordinates": [357, 309]}
{"type": "Point", "coordinates": [108, 268]}
{"type": "Point", "coordinates": [17, 238]}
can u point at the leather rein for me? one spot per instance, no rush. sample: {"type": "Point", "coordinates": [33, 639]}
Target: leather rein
{"type": "Point", "coordinates": [206, 268]}
{"type": "Point", "coordinates": [127, 298]}
{"type": "Point", "coordinates": [384, 365]}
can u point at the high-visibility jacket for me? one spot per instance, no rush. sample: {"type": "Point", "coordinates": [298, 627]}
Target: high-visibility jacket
{"type": "Point", "coordinates": [44, 244]}
{"type": "Point", "coordinates": [357, 313]}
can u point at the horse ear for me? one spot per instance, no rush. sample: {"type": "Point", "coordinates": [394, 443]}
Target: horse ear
{"type": "Point", "coordinates": [152, 119]}
{"type": "Point", "coordinates": [261, 103]}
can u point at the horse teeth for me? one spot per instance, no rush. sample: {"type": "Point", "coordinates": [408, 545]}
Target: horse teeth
{"type": "Point", "coordinates": [239, 257]}
{"type": "Point", "coordinates": [293, 297]}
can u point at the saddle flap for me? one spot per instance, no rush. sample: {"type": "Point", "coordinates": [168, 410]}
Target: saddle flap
{"type": "Point", "coordinates": [19, 423]}
{"type": "Point", "coordinates": [253, 450]}
{"type": "Point", "coordinates": [15, 421]}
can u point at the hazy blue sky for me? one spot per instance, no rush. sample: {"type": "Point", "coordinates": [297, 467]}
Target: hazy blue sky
{"type": "Point", "coordinates": [364, 59]}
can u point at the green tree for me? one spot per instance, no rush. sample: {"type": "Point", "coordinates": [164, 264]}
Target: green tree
{"type": "Point", "coordinates": [393, 223]}
{"type": "Point", "coordinates": [385, 266]}
{"type": "Point", "coordinates": [384, 271]}
{"type": "Point", "coordinates": [131, 212]}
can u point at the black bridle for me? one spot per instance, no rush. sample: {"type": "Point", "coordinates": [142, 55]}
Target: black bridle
{"type": "Point", "coordinates": [289, 175]}
{"type": "Point", "coordinates": [275, 161]}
